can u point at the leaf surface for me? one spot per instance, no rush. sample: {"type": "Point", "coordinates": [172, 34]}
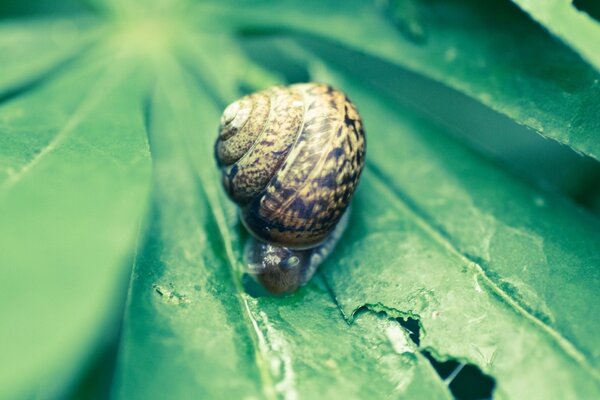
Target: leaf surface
{"type": "Point", "coordinates": [74, 175]}
{"type": "Point", "coordinates": [454, 213]}
{"type": "Point", "coordinates": [494, 273]}
{"type": "Point", "coordinates": [491, 52]}
{"type": "Point", "coordinates": [46, 45]}
{"type": "Point", "coordinates": [187, 299]}
{"type": "Point", "coordinates": [576, 28]}
{"type": "Point", "coordinates": [396, 259]}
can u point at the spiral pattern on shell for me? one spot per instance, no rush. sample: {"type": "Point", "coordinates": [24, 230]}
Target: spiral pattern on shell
{"type": "Point", "coordinates": [291, 157]}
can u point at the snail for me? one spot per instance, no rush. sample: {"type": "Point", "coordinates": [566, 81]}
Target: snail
{"type": "Point", "coordinates": [291, 158]}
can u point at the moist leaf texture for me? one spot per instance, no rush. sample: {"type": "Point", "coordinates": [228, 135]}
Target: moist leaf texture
{"type": "Point", "coordinates": [113, 212]}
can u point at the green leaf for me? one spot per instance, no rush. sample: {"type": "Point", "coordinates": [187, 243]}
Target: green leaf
{"type": "Point", "coordinates": [74, 175]}
{"type": "Point", "coordinates": [478, 249]}
{"type": "Point", "coordinates": [369, 270]}
{"type": "Point", "coordinates": [491, 52]}
{"type": "Point", "coordinates": [47, 45]}
{"type": "Point", "coordinates": [448, 257]}
{"type": "Point", "coordinates": [575, 27]}
{"type": "Point", "coordinates": [184, 301]}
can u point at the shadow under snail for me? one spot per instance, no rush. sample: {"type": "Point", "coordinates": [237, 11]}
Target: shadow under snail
{"type": "Point", "coordinates": [291, 158]}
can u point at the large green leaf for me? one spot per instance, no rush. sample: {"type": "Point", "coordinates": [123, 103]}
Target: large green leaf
{"type": "Point", "coordinates": [448, 257]}
{"type": "Point", "coordinates": [490, 51]}
{"type": "Point", "coordinates": [46, 45]}
{"type": "Point", "coordinates": [400, 261]}
{"type": "Point", "coordinates": [575, 27]}
{"type": "Point", "coordinates": [470, 232]}
{"type": "Point", "coordinates": [74, 175]}
{"type": "Point", "coordinates": [517, 217]}
{"type": "Point", "coordinates": [184, 301]}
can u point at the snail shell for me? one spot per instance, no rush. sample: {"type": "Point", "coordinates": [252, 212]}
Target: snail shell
{"type": "Point", "coordinates": [291, 158]}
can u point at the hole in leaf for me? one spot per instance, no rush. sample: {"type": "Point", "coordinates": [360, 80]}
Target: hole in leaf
{"type": "Point", "coordinates": [471, 383]}
{"type": "Point", "coordinates": [465, 381]}
{"type": "Point", "coordinates": [443, 368]}
{"type": "Point", "coordinates": [412, 326]}
{"type": "Point", "coordinates": [591, 7]}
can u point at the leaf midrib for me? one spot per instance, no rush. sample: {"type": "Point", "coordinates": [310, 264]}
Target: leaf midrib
{"type": "Point", "coordinates": [218, 215]}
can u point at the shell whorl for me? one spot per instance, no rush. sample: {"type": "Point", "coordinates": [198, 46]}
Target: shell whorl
{"type": "Point", "coordinates": [291, 158]}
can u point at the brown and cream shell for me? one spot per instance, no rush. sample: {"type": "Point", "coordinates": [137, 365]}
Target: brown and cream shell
{"type": "Point", "coordinates": [291, 157]}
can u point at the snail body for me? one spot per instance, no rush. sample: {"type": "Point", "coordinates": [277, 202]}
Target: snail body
{"type": "Point", "coordinates": [291, 158]}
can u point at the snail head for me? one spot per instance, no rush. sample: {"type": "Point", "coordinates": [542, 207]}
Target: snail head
{"type": "Point", "coordinates": [279, 269]}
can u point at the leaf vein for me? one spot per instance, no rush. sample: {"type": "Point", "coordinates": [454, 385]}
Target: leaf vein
{"type": "Point", "coordinates": [440, 236]}
{"type": "Point", "coordinates": [98, 92]}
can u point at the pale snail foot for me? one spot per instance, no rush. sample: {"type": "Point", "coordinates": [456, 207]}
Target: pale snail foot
{"type": "Point", "coordinates": [282, 270]}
